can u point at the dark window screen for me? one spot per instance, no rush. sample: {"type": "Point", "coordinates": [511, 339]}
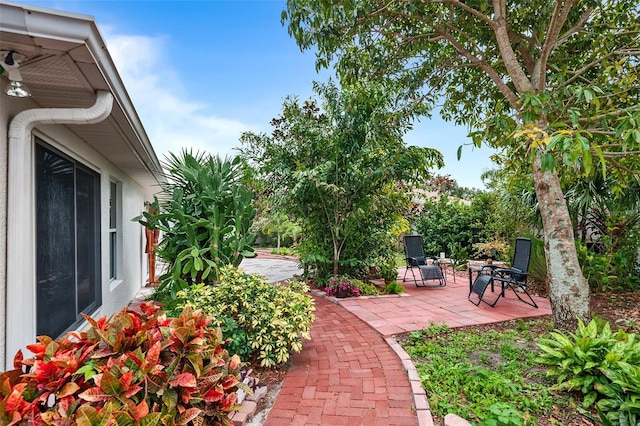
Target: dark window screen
{"type": "Point", "coordinates": [67, 229]}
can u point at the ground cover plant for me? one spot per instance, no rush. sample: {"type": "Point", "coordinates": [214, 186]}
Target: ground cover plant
{"type": "Point", "coordinates": [450, 363]}
{"type": "Point", "coordinates": [602, 365]}
{"type": "Point", "coordinates": [394, 287]}
{"type": "Point", "coordinates": [139, 368]}
{"type": "Point", "coordinates": [284, 251]}
{"type": "Point", "coordinates": [264, 322]}
{"type": "Point", "coordinates": [479, 372]}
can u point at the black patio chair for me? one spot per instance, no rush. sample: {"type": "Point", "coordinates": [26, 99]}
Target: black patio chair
{"type": "Point", "coordinates": [429, 269]}
{"type": "Point", "coordinates": [514, 278]}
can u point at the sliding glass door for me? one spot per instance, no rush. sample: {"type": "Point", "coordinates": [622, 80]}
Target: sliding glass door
{"type": "Point", "coordinates": [68, 241]}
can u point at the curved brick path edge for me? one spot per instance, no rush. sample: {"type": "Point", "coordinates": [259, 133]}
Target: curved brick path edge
{"type": "Point", "coordinates": [348, 374]}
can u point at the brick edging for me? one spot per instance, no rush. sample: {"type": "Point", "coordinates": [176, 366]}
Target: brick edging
{"type": "Point", "coordinates": [423, 411]}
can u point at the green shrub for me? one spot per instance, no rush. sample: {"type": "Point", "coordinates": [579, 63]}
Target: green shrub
{"type": "Point", "coordinates": [265, 321]}
{"type": "Point", "coordinates": [367, 289]}
{"type": "Point", "coordinates": [137, 369]}
{"type": "Point", "coordinates": [387, 267]}
{"type": "Point", "coordinates": [620, 404]}
{"type": "Point", "coordinates": [459, 255]}
{"type": "Point", "coordinates": [594, 361]}
{"type": "Point", "coordinates": [205, 217]}
{"type": "Point", "coordinates": [597, 268]}
{"type": "Point", "coordinates": [394, 288]}
{"type": "Point", "coordinates": [538, 262]}
{"type": "Point", "coordinates": [284, 251]}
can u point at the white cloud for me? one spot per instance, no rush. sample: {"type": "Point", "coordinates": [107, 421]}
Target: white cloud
{"type": "Point", "coordinates": [158, 85]}
{"type": "Point", "coordinates": [155, 85]}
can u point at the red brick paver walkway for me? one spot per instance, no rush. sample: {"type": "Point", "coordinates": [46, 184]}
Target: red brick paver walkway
{"type": "Point", "coordinates": [345, 375]}
{"type": "Point", "coordinates": [419, 307]}
{"type": "Point", "coordinates": [349, 375]}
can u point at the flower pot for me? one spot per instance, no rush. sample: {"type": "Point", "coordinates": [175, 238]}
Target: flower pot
{"type": "Point", "coordinates": [341, 294]}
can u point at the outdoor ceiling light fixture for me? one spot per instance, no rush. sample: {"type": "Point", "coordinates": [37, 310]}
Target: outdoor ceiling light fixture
{"type": "Point", "coordinates": [16, 87]}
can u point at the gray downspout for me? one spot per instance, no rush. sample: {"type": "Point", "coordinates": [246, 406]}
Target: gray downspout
{"type": "Point", "coordinates": [20, 300]}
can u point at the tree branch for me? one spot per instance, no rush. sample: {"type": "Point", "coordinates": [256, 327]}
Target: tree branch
{"type": "Point", "coordinates": [469, 9]}
{"type": "Point", "coordinates": [483, 65]}
{"type": "Point", "coordinates": [601, 132]}
{"type": "Point", "coordinates": [617, 165]}
{"type": "Point", "coordinates": [578, 73]}
{"type": "Point", "coordinates": [575, 28]}
{"type": "Point", "coordinates": [612, 154]}
{"type": "Point", "coordinates": [616, 113]}
{"type": "Point", "coordinates": [499, 26]}
{"type": "Point", "coordinates": [524, 50]}
{"type": "Point", "coordinates": [558, 18]}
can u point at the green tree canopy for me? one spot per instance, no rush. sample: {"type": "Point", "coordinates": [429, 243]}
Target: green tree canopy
{"type": "Point", "coordinates": [339, 167]}
{"type": "Point", "coordinates": [553, 83]}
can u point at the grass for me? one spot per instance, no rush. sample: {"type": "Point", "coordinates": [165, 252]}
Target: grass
{"type": "Point", "coordinates": [483, 374]}
{"type": "Point", "coordinates": [283, 251]}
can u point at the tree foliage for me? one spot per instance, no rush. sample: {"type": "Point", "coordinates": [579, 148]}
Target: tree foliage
{"type": "Point", "coordinates": [205, 215]}
{"type": "Point", "coordinates": [448, 224]}
{"type": "Point", "coordinates": [605, 216]}
{"type": "Point", "coordinates": [445, 184]}
{"type": "Point", "coordinates": [552, 83]}
{"type": "Point", "coordinates": [339, 168]}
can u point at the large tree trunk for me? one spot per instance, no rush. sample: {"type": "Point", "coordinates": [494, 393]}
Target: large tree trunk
{"type": "Point", "coordinates": [569, 290]}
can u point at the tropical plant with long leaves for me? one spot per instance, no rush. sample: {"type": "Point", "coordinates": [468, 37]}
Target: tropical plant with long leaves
{"type": "Point", "coordinates": [205, 214]}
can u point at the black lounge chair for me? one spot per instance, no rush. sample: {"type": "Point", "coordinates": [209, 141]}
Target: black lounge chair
{"type": "Point", "coordinates": [429, 269]}
{"type": "Point", "coordinates": [514, 278]}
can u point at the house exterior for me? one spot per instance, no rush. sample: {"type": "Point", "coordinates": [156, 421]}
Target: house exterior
{"type": "Point", "coordinates": [75, 167]}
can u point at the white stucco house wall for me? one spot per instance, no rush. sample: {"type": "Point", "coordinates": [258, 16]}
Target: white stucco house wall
{"type": "Point", "coordinates": [75, 167]}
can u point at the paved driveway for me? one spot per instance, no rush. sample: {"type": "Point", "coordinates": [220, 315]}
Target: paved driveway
{"type": "Point", "coordinates": [273, 269]}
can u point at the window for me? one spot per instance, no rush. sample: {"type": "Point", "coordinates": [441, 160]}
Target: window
{"type": "Point", "coordinates": [68, 242]}
{"type": "Point", "coordinates": [113, 230]}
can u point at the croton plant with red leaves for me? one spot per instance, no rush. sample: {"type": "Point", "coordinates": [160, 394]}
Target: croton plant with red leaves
{"type": "Point", "coordinates": [137, 369]}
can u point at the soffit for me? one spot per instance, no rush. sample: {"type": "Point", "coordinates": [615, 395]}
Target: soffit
{"type": "Point", "coordinates": [65, 73]}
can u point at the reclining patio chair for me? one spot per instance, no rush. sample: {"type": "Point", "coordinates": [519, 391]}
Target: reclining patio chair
{"type": "Point", "coordinates": [514, 278]}
{"type": "Point", "coordinates": [429, 270]}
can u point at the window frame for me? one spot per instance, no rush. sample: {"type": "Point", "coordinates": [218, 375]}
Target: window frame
{"type": "Point", "coordinates": [115, 207]}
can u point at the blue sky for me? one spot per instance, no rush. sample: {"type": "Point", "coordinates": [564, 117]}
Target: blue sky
{"type": "Point", "coordinates": [201, 72]}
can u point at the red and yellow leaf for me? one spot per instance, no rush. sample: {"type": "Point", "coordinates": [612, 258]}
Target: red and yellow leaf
{"type": "Point", "coordinates": [68, 389]}
{"type": "Point", "coordinates": [132, 391]}
{"type": "Point", "coordinates": [153, 355]}
{"type": "Point", "coordinates": [87, 416]}
{"type": "Point", "coordinates": [126, 379]}
{"type": "Point", "coordinates": [141, 411]}
{"type": "Point", "coordinates": [187, 415]}
{"type": "Point", "coordinates": [234, 362]}
{"type": "Point", "coordinates": [185, 380]}
{"type": "Point", "coordinates": [94, 394]}
{"type": "Point", "coordinates": [213, 395]}
{"type": "Point", "coordinates": [110, 384]}
{"type": "Point", "coordinates": [17, 360]}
